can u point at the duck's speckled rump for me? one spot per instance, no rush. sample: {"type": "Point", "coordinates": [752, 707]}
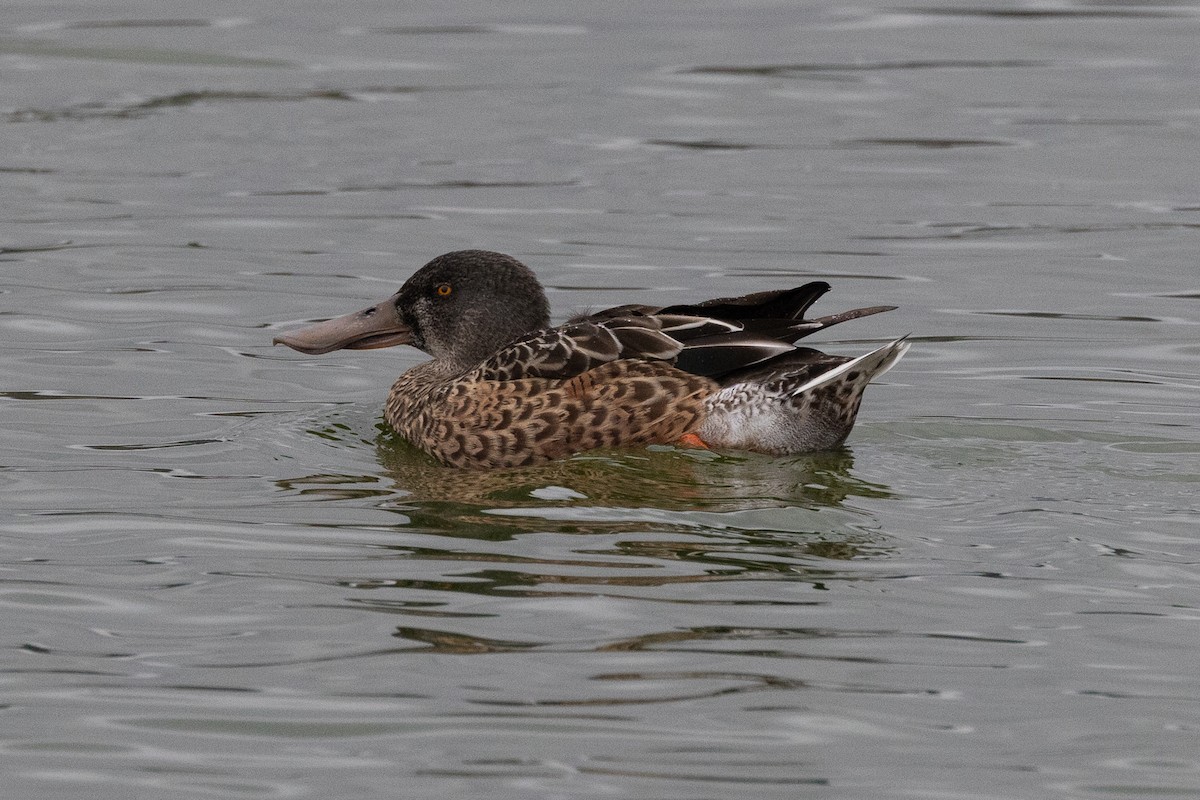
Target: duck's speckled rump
{"type": "Point", "coordinates": [506, 389]}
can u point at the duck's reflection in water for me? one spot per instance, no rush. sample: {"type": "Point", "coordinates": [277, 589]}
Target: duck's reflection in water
{"type": "Point", "coordinates": [632, 526]}
{"type": "Point", "coordinates": [664, 478]}
{"type": "Point", "coordinates": [640, 525]}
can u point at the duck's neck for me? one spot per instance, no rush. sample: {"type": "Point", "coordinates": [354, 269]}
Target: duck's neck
{"type": "Point", "coordinates": [476, 337]}
{"type": "Point", "coordinates": [415, 390]}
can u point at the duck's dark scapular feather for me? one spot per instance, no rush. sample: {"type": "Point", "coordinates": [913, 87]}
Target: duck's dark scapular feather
{"type": "Point", "coordinates": [505, 389]}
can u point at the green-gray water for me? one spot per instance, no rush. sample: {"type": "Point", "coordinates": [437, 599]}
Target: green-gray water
{"type": "Point", "coordinates": [219, 579]}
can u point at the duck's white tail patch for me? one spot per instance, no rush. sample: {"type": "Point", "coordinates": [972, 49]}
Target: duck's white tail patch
{"type": "Point", "coordinates": [815, 415]}
{"type": "Point", "coordinates": [870, 365]}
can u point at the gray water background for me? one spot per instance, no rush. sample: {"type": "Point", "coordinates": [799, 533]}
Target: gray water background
{"type": "Point", "coordinates": [219, 578]}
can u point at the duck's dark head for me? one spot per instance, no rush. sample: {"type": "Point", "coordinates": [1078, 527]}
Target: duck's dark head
{"type": "Point", "coordinates": [460, 308]}
{"type": "Point", "coordinates": [465, 305]}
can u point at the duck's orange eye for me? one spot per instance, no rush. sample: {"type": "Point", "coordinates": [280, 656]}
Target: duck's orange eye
{"type": "Point", "coordinates": [444, 289]}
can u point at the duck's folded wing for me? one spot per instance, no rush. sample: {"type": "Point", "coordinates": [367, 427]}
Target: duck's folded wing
{"type": "Point", "coordinates": [698, 345]}
{"type": "Point", "coordinates": [715, 356]}
{"type": "Point", "coordinates": [775, 314]}
{"type": "Point", "coordinates": [713, 339]}
{"type": "Point", "coordinates": [716, 347]}
{"type": "Point", "coordinates": [575, 348]}
{"type": "Point", "coordinates": [775, 304]}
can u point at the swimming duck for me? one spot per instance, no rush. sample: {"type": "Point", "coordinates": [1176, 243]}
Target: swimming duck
{"type": "Point", "coordinates": [505, 389]}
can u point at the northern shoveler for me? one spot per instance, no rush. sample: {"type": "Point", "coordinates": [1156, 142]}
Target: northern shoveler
{"type": "Point", "coordinates": [506, 389]}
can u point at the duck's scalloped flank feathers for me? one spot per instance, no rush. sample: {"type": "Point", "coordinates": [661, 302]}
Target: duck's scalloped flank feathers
{"type": "Point", "coordinates": [504, 389]}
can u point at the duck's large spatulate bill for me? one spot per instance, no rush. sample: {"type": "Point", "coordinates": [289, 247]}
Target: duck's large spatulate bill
{"type": "Point", "coordinates": [377, 326]}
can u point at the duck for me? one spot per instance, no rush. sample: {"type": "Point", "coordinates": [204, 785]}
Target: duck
{"type": "Point", "coordinates": [505, 388]}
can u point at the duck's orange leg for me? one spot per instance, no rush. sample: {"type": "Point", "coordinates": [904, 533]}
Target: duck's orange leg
{"type": "Point", "coordinates": [692, 440]}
